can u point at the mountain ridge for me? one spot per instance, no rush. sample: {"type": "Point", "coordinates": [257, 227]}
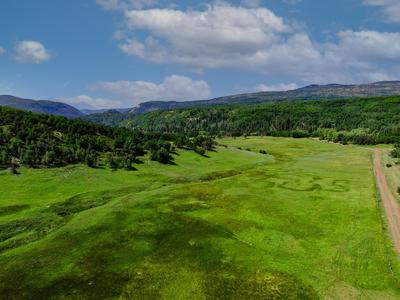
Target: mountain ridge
{"type": "Point", "coordinates": [310, 92]}
{"type": "Point", "coordinates": [41, 106]}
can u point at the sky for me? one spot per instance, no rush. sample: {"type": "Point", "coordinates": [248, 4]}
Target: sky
{"type": "Point", "coordinates": [119, 53]}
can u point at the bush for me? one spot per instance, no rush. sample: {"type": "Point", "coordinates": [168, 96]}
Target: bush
{"type": "Point", "coordinates": [161, 155]}
{"type": "Point", "coordinates": [297, 134]}
{"type": "Point", "coordinates": [395, 153]}
{"type": "Point", "coordinates": [200, 150]}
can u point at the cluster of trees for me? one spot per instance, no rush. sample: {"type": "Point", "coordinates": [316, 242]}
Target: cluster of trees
{"type": "Point", "coordinates": [396, 151]}
{"type": "Point", "coordinates": [45, 140]}
{"type": "Point", "coordinates": [358, 121]}
{"type": "Point", "coordinates": [359, 136]}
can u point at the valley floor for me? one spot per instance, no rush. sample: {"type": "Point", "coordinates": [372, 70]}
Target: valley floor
{"type": "Point", "coordinates": [302, 222]}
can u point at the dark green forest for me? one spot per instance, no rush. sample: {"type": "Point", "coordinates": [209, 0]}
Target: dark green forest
{"type": "Point", "coordinates": [358, 121]}
{"type": "Point", "coordinates": [38, 140]}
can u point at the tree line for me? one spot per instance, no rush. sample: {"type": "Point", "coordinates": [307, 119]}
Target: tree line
{"type": "Point", "coordinates": [40, 140]}
{"type": "Point", "coordinates": [358, 121]}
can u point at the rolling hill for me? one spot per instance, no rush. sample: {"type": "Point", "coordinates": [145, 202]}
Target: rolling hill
{"type": "Point", "coordinates": [41, 106]}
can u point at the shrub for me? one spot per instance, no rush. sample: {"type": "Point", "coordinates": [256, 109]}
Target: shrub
{"type": "Point", "coordinates": [396, 151]}
{"type": "Point", "coordinates": [200, 150]}
{"type": "Point", "coordinates": [161, 155]}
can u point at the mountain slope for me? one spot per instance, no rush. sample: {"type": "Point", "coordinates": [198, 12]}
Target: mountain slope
{"type": "Point", "coordinates": [311, 92]}
{"type": "Point", "coordinates": [100, 111]}
{"type": "Point", "coordinates": [41, 106]}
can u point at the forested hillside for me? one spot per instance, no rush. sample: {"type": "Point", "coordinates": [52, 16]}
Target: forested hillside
{"type": "Point", "coordinates": [359, 121]}
{"type": "Point", "coordinates": [45, 140]}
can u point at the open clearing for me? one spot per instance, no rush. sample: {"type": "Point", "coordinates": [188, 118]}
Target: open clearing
{"type": "Point", "coordinates": [301, 223]}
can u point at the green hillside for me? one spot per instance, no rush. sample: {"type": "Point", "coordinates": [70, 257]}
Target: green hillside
{"type": "Point", "coordinates": [360, 121]}
{"type": "Point", "coordinates": [301, 222]}
{"type": "Point", "coordinates": [40, 140]}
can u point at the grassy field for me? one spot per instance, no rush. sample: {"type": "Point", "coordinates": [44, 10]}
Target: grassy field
{"type": "Point", "coordinates": [300, 223]}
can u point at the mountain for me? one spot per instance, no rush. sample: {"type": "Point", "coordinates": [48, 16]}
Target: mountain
{"type": "Point", "coordinates": [101, 111]}
{"type": "Point", "coordinates": [41, 106]}
{"type": "Point", "coordinates": [115, 116]}
{"type": "Point", "coordinates": [311, 92]}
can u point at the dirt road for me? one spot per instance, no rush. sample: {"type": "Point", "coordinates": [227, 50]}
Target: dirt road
{"type": "Point", "coordinates": [390, 203]}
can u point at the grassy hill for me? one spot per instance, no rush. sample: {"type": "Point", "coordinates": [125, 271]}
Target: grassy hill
{"type": "Point", "coordinates": [299, 223]}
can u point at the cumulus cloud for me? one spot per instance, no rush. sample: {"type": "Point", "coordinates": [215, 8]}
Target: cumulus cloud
{"type": "Point", "coordinates": [2, 50]}
{"type": "Point", "coordinates": [390, 8]}
{"type": "Point", "coordinates": [212, 38]}
{"type": "Point", "coordinates": [31, 52]}
{"type": "Point", "coordinates": [177, 88]}
{"type": "Point", "coordinates": [277, 87]}
{"type": "Point", "coordinates": [367, 55]}
{"type": "Point", "coordinates": [88, 102]}
{"type": "Point", "coordinates": [255, 39]}
{"type": "Point", "coordinates": [125, 4]}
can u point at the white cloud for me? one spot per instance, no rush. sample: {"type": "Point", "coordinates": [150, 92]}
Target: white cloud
{"type": "Point", "coordinates": [277, 87]}
{"type": "Point", "coordinates": [257, 40]}
{"type": "Point", "coordinates": [31, 52]}
{"type": "Point", "coordinates": [125, 4]}
{"type": "Point", "coordinates": [2, 50]}
{"type": "Point", "coordinates": [200, 38]}
{"type": "Point", "coordinates": [178, 88]}
{"type": "Point", "coordinates": [367, 55]}
{"type": "Point", "coordinates": [88, 102]}
{"type": "Point", "coordinates": [391, 8]}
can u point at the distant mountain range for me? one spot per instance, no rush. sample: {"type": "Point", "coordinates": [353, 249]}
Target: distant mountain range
{"type": "Point", "coordinates": [41, 106]}
{"type": "Point", "coordinates": [311, 92]}
{"type": "Point", "coordinates": [101, 111]}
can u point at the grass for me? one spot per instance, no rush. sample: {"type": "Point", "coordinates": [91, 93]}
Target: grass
{"type": "Point", "coordinates": [300, 223]}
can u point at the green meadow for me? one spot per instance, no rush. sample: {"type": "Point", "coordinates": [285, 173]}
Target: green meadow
{"type": "Point", "coordinates": [300, 222]}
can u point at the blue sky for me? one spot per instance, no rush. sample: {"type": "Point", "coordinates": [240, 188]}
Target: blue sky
{"type": "Point", "coordinates": [118, 53]}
